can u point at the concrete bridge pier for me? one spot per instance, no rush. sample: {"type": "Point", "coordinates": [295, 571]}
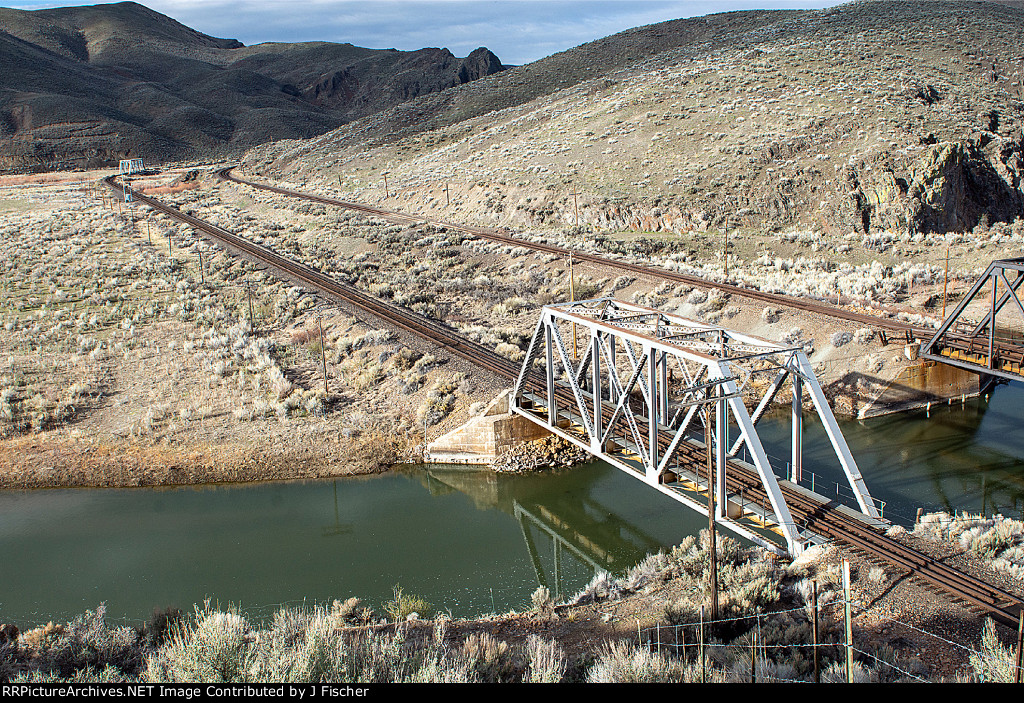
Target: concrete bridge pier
{"type": "Point", "coordinates": [484, 437]}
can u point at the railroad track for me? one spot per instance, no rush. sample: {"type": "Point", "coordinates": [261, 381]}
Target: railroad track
{"type": "Point", "coordinates": [887, 326]}
{"type": "Point", "coordinates": [1001, 605]}
{"type": "Point", "coordinates": [811, 306]}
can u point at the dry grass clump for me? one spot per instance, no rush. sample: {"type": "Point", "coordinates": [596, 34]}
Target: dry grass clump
{"type": "Point", "coordinates": [440, 400]}
{"type": "Point", "coordinates": [339, 644]}
{"type": "Point", "coordinates": [406, 605]}
{"type": "Point", "coordinates": [314, 646]}
{"type": "Point", "coordinates": [84, 648]}
{"type": "Point", "coordinates": [997, 539]}
{"type": "Point", "coordinates": [755, 593]}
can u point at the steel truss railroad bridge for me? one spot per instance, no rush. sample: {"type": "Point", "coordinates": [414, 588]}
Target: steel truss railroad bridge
{"type": "Point", "coordinates": [749, 507]}
{"type": "Point", "coordinates": [994, 346]}
{"type": "Point", "coordinates": [642, 384]}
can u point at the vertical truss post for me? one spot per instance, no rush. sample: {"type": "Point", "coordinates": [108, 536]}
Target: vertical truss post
{"type": "Point", "coordinates": [797, 453]}
{"type": "Point", "coordinates": [598, 393]}
{"type": "Point", "coordinates": [652, 414]}
{"type": "Point", "coordinates": [663, 393]}
{"type": "Point", "coordinates": [613, 395]}
{"type": "Point", "coordinates": [992, 323]}
{"type": "Point", "coordinates": [550, 351]}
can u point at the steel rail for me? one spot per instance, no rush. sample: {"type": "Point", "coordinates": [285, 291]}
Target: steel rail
{"type": "Point", "coordinates": [816, 517]}
{"type": "Point", "coordinates": [910, 331]}
{"type": "Point", "coordinates": [493, 235]}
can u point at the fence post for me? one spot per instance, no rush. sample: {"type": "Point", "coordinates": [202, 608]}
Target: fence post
{"type": "Point", "coordinates": [753, 656]}
{"type": "Point", "coordinates": [814, 631]}
{"type": "Point", "coordinates": [703, 667]}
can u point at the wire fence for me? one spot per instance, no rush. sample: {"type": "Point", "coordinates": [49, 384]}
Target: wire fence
{"type": "Point", "coordinates": [672, 637]}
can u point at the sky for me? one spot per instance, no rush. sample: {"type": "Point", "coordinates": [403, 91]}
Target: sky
{"type": "Point", "coordinates": [518, 31]}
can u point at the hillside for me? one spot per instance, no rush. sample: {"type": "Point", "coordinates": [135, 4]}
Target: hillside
{"type": "Point", "coordinates": [87, 85]}
{"type": "Point", "coordinates": [871, 118]}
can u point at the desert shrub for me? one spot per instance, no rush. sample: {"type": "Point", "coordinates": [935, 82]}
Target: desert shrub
{"type": "Point", "coordinates": [696, 297]}
{"type": "Point", "coordinates": [586, 288]}
{"type": "Point", "coordinates": [440, 400]}
{"type": "Point", "coordinates": [405, 358]}
{"type": "Point", "coordinates": [864, 335]}
{"type": "Point", "coordinates": [403, 604]}
{"type": "Point", "coordinates": [346, 611]}
{"type": "Point", "coordinates": [510, 305]}
{"type": "Point", "coordinates": [995, 663]}
{"type": "Point", "coordinates": [840, 339]}
{"type": "Point", "coordinates": [211, 649]}
{"type": "Point", "coordinates": [543, 604]}
{"type": "Point", "coordinates": [490, 659]}
{"type": "Point", "coordinates": [160, 626]}
{"type": "Point", "coordinates": [622, 282]}
{"type": "Point", "coordinates": [83, 647]}
{"type": "Point", "coordinates": [547, 661]}
{"type": "Point", "coordinates": [624, 662]}
{"type": "Point", "coordinates": [510, 351]}
{"type": "Point", "coordinates": [998, 539]}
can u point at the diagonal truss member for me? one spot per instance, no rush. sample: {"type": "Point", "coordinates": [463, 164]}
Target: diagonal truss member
{"type": "Point", "coordinates": [995, 344]}
{"type": "Point", "coordinates": [646, 385]}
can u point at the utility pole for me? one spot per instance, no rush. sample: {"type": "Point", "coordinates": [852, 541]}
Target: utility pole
{"type": "Point", "coordinates": [252, 318]}
{"type": "Point", "coordinates": [849, 621]}
{"type": "Point", "coordinates": [712, 528]}
{"type": "Point", "coordinates": [323, 355]}
{"type": "Point", "coordinates": [385, 184]}
{"type": "Point", "coordinates": [945, 283]}
{"type": "Point", "coordinates": [202, 277]}
{"type": "Point", "coordinates": [576, 204]}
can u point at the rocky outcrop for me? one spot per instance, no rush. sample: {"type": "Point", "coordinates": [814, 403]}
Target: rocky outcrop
{"type": "Point", "coordinates": [362, 86]}
{"type": "Point", "coordinates": [951, 187]}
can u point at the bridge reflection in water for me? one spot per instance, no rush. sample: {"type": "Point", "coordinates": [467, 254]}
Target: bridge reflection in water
{"type": "Point", "coordinates": [569, 536]}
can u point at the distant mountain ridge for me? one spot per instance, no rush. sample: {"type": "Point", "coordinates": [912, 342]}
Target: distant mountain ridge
{"type": "Point", "coordinates": [89, 85]}
{"type": "Point", "coordinates": [875, 119]}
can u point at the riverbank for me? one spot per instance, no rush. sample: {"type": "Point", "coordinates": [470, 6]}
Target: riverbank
{"type": "Point", "coordinates": [141, 356]}
{"type": "Point", "coordinates": [642, 627]}
{"type": "Point", "coordinates": [56, 460]}
{"type": "Point", "coordinates": [136, 342]}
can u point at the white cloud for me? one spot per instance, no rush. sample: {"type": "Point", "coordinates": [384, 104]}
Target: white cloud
{"type": "Point", "coordinates": [518, 31]}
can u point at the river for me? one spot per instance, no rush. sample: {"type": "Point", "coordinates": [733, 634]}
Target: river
{"type": "Point", "coordinates": [468, 542]}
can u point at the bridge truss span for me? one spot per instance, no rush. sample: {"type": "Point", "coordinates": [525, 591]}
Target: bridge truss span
{"type": "Point", "coordinates": [995, 344]}
{"type": "Point", "coordinates": [649, 392]}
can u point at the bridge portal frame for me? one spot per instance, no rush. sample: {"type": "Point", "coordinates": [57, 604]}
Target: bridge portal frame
{"type": "Point", "coordinates": [975, 346]}
{"type": "Point", "coordinates": [683, 373]}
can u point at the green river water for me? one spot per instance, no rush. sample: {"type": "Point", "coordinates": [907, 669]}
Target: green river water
{"type": "Point", "coordinates": [467, 541]}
